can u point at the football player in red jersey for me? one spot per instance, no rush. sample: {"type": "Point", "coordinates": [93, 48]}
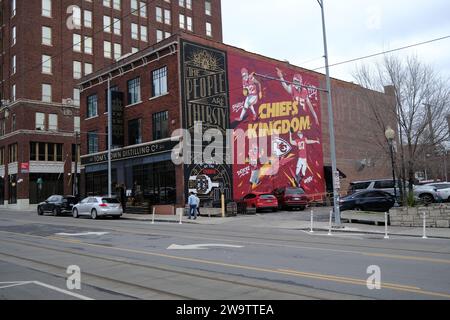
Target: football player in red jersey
{"type": "Point", "coordinates": [252, 91]}
{"type": "Point", "coordinates": [302, 163]}
{"type": "Point", "coordinates": [298, 92]}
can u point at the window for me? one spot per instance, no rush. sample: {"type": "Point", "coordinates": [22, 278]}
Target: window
{"type": "Point", "coordinates": [117, 26]}
{"type": "Point", "coordinates": [160, 125]}
{"type": "Point", "coordinates": [116, 4]}
{"type": "Point", "coordinates": [46, 64]}
{"type": "Point", "coordinates": [189, 4]}
{"type": "Point", "coordinates": [92, 106]}
{"type": "Point", "coordinates": [88, 45]}
{"type": "Point", "coordinates": [134, 91]}
{"type": "Point", "coordinates": [13, 65]}
{"type": "Point", "coordinates": [47, 36]}
{"type": "Point", "coordinates": [208, 29]}
{"type": "Point", "coordinates": [107, 24]}
{"type": "Point", "coordinates": [76, 43]}
{"type": "Point", "coordinates": [107, 3]}
{"type": "Point", "coordinates": [134, 31]}
{"type": "Point", "coordinates": [76, 124]}
{"type": "Point", "coordinates": [47, 8]}
{"type": "Point", "coordinates": [159, 82]}
{"type": "Point", "coordinates": [53, 122]}
{"type": "Point", "coordinates": [88, 19]}
{"type": "Point", "coordinates": [92, 142]}
{"type": "Point", "coordinates": [76, 96]}
{"type": "Point", "coordinates": [117, 50]}
{"type": "Point", "coordinates": [13, 92]}
{"type": "Point", "coordinates": [76, 17]}
{"type": "Point", "coordinates": [167, 16]}
{"type": "Point", "coordinates": [107, 49]}
{"type": "Point", "coordinates": [189, 23]}
{"type": "Point", "coordinates": [113, 88]}
{"type": "Point", "coordinates": [159, 17]}
{"type": "Point", "coordinates": [134, 7]}
{"type": "Point", "coordinates": [46, 92]}
{"type": "Point", "coordinates": [12, 153]}
{"type": "Point", "coordinates": [41, 151]}
{"type": "Point", "coordinates": [13, 8]}
{"type": "Point", "coordinates": [88, 69]}
{"type": "Point", "coordinates": [40, 121]}
{"type": "Point", "coordinates": [159, 35]}
{"type": "Point", "coordinates": [143, 9]}
{"type": "Point", "coordinates": [208, 8]}
{"type": "Point", "coordinates": [144, 33]}
{"type": "Point", "coordinates": [134, 132]}
{"type": "Point", "coordinates": [182, 23]}
{"type": "Point", "coordinates": [13, 36]}
{"type": "Point", "coordinates": [77, 73]}
{"type": "Point", "coordinates": [384, 184]}
{"type": "Point", "coordinates": [2, 156]}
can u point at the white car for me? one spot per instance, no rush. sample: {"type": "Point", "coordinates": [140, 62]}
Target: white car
{"type": "Point", "coordinates": [98, 207]}
{"type": "Point", "coordinates": [443, 189]}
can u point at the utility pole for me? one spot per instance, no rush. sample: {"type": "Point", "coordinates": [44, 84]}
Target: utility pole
{"type": "Point", "coordinates": [335, 174]}
{"type": "Point", "coordinates": [75, 178]}
{"type": "Point", "coordinates": [109, 138]}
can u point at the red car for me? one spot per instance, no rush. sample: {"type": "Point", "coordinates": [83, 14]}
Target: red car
{"type": "Point", "coordinates": [290, 197]}
{"type": "Point", "coordinates": [261, 201]}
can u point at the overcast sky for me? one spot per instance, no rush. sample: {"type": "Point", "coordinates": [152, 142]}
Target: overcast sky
{"type": "Point", "coordinates": [292, 30]}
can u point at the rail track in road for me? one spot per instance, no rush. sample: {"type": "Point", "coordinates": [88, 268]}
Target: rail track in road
{"type": "Point", "coordinates": [127, 288]}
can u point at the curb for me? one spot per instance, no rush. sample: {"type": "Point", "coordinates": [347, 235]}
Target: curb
{"type": "Point", "coordinates": [375, 233]}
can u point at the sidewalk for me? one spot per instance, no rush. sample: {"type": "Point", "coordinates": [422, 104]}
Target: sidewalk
{"type": "Point", "coordinates": [294, 221]}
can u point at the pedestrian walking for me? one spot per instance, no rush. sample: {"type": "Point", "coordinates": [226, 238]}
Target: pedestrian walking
{"type": "Point", "coordinates": [192, 202]}
{"type": "Point", "coordinates": [123, 197]}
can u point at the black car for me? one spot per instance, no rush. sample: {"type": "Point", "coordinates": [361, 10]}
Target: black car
{"type": "Point", "coordinates": [57, 204]}
{"type": "Point", "coordinates": [370, 200]}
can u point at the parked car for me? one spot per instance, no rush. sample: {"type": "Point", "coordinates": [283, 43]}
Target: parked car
{"type": "Point", "coordinates": [261, 201]}
{"type": "Point", "coordinates": [425, 194]}
{"type": "Point", "coordinates": [57, 205]}
{"type": "Point", "coordinates": [96, 207]}
{"type": "Point", "coordinates": [368, 200]}
{"type": "Point", "coordinates": [443, 189]}
{"type": "Point", "coordinates": [290, 197]}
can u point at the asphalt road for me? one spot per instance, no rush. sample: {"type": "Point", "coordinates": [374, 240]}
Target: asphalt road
{"type": "Point", "coordinates": [127, 259]}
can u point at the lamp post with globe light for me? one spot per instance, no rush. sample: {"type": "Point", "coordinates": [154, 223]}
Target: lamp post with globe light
{"type": "Point", "coordinates": [390, 136]}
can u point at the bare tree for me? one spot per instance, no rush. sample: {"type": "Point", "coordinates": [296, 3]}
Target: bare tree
{"type": "Point", "coordinates": [422, 100]}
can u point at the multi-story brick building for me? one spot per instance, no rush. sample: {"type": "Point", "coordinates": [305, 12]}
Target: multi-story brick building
{"type": "Point", "coordinates": [186, 79]}
{"type": "Point", "coordinates": [46, 47]}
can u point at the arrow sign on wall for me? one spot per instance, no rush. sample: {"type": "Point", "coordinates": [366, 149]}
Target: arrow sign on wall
{"type": "Point", "coordinates": [200, 246]}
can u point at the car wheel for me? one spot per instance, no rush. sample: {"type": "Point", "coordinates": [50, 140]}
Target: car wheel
{"type": "Point", "coordinates": [55, 211]}
{"type": "Point", "coordinates": [426, 198]}
{"type": "Point", "coordinates": [94, 214]}
{"type": "Point", "coordinates": [302, 208]}
{"type": "Point", "coordinates": [75, 213]}
{"type": "Point", "coordinates": [40, 211]}
{"type": "Point", "coordinates": [358, 209]}
{"type": "Point", "coordinates": [274, 209]}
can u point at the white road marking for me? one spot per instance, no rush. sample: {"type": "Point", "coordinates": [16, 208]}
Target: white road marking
{"type": "Point", "coordinates": [82, 234]}
{"type": "Point", "coordinates": [38, 283]}
{"type": "Point", "coordinates": [10, 284]}
{"type": "Point", "coordinates": [200, 246]}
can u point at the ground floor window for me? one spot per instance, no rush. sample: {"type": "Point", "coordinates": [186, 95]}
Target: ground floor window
{"type": "Point", "coordinates": [12, 189]}
{"type": "Point", "coordinates": [154, 183]}
{"type": "Point", "coordinates": [44, 185]}
{"type": "Point", "coordinates": [97, 182]}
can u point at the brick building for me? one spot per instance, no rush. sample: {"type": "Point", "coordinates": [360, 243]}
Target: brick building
{"type": "Point", "coordinates": [187, 78]}
{"type": "Point", "coordinates": [46, 47]}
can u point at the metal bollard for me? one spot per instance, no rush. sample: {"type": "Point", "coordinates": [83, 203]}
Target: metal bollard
{"type": "Point", "coordinates": [331, 221]}
{"type": "Point", "coordinates": [312, 221]}
{"type": "Point", "coordinates": [153, 216]}
{"type": "Point", "coordinates": [386, 235]}
{"type": "Point", "coordinates": [424, 226]}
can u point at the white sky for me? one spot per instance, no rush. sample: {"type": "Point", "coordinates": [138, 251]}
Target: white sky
{"type": "Point", "coordinates": [292, 30]}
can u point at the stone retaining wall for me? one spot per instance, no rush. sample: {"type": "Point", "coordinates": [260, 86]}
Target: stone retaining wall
{"type": "Point", "coordinates": [437, 216]}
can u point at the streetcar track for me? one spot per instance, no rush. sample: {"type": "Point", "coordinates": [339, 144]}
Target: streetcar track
{"type": "Point", "coordinates": [123, 260]}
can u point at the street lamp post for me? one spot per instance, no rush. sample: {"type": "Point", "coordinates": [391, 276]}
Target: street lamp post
{"type": "Point", "coordinates": [390, 136]}
{"type": "Point", "coordinates": [335, 175]}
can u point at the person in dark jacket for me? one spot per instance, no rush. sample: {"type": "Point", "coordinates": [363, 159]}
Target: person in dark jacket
{"type": "Point", "coordinates": [123, 197]}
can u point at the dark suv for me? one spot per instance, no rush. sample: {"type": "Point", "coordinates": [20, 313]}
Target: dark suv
{"type": "Point", "coordinates": [57, 204]}
{"type": "Point", "coordinates": [290, 197]}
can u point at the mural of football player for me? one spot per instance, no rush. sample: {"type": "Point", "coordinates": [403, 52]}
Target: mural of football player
{"type": "Point", "coordinates": [302, 163]}
{"type": "Point", "coordinates": [254, 161]}
{"type": "Point", "coordinates": [299, 93]}
{"type": "Point", "coordinates": [252, 91]}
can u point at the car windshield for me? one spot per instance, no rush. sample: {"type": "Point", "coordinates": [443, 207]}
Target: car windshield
{"type": "Point", "coordinates": [293, 191]}
{"type": "Point", "coordinates": [267, 196]}
{"type": "Point", "coordinates": [110, 200]}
